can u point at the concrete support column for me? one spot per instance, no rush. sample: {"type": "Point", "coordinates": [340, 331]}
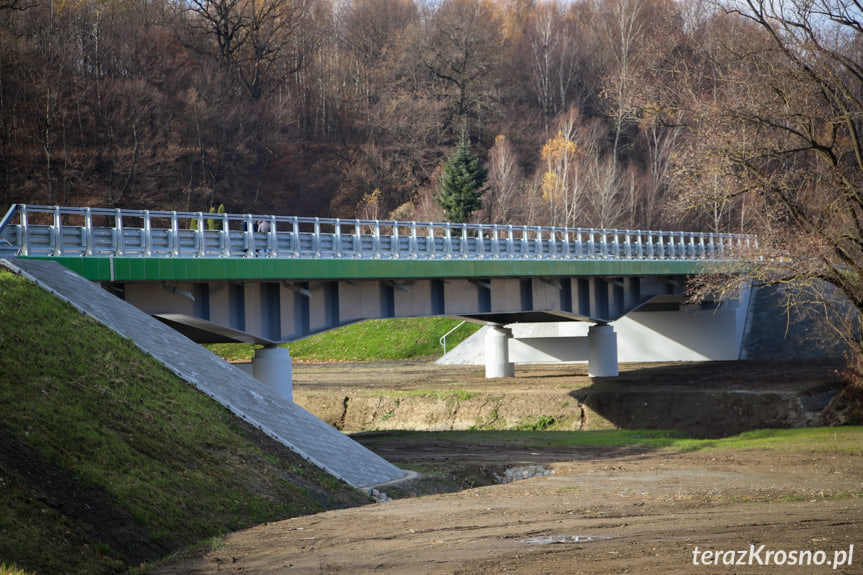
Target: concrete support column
{"type": "Point", "coordinates": [273, 366]}
{"type": "Point", "coordinates": [497, 362]}
{"type": "Point", "coordinates": [602, 357]}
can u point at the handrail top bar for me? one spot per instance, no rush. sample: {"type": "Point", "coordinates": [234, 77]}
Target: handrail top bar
{"type": "Point", "coordinates": [21, 209]}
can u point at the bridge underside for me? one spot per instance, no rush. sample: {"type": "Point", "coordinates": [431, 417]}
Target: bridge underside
{"type": "Point", "coordinates": [271, 313]}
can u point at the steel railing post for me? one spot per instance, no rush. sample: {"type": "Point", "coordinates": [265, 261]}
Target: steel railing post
{"type": "Point", "coordinates": [119, 236]}
{"type": "Point", "coordinates": [225, 236]}
{"type": "Point", "coordinates": [200, 235]}
{"type": "Point", "coordinates": [376, 241]}
{"type": "Point", "coordinates": [432, 247]}
{"type": "Point", "coordinates": [25, 226]}
{"type": "Point", "coordinates": [174, 241]}
{"type": "Point", "coordinates": [57, 235]}
{"type": "Point", "coordinates": [88, 232]}
{"type": "Point", "coordinates": [465, 251]}
{"type": "Point", "coordinates": [147, 240]}
{"type": "Point", "coordinates": [249, 242]}
{"type": "Point", "coordinates": [358, 238]}
{"type": "Point", "coordinates": [394, 241]}
{"type": "Point", "coordinates": [273, 239]}
{"type": "Point", "coordinates": [295, 240]}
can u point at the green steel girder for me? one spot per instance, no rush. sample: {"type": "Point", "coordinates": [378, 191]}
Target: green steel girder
{"type": "Point", "coordinates": [134, 269]}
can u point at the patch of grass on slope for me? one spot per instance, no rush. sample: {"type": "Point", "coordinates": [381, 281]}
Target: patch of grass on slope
{"type": "Point", "coordinates": [840, 439]}
{"type": "Point", "coordinates": [108, 459]}
{"type": "Point", "coordinates": [373, 340]}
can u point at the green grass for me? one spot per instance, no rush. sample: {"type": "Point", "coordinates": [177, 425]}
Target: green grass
{"type": "Point", "coordinates": [841, 439]}
{"type": "Point", "coordinates": [82, 407]}
{"type": "Point", "coordinates": [542, 422]}
{"type": "Point", "coordinates": [844, 439]}
{"type": "Point", "coordinates": [447, 394]}
{"type": "Point", "coordinates": [373, 340]}
{"type": "Point", "coordinates": [11, 570]}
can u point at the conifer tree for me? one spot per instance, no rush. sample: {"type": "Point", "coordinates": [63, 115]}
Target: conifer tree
{"type": "Point", "coordinates": [461, 184]}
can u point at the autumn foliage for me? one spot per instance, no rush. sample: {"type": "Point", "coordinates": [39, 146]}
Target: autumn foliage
{"type": "Point", "coordinates": [307, 106]}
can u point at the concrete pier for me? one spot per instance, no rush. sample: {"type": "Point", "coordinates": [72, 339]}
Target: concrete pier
{"type": "Point", "coordinates": [497, 362]}
{"type": "Point", "coordinates": [602, 343]}
{"type": "Point", "coordinates": [273, 367]}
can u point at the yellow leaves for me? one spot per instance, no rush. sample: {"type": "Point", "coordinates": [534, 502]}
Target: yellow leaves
{"type": "Point", "coordinates": [369, 207]}
{"type": "Point", "coordinates": [652, 112]}
{"type": "Point", "coordinates": [560, 148]}
{"type": "Point", "coordinates": [551, 188]}
{"type": "Point", "coordinates": [373, 197]}
{"type": "Point", "coordinates": [98, 7]}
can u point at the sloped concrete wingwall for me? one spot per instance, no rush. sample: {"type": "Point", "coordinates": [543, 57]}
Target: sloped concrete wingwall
{"type": "Point", "coordinates": [245, 396]}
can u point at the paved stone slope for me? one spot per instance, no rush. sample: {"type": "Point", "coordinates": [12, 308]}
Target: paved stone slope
{"type": "Point", "coordinates": [242, 394]}
{"type": "Point", "coordinates": [776, 332]}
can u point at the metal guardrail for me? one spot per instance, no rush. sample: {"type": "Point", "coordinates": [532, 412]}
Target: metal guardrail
{"type": "Point", "coordinates": [95, 232]}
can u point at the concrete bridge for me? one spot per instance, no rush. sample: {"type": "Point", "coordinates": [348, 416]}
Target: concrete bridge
{"type": "Point", "coordinates": [214, 278]}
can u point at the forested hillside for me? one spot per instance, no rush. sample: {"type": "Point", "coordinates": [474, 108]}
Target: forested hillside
{"type": "Point", "coordinates": [350, 107]}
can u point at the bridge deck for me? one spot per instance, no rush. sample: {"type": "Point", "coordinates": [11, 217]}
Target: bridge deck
{"type": "Point", "coordinates": [134, 245]}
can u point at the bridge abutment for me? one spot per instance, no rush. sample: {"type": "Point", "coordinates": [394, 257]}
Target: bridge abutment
{"type": "Point", "coordinates": [497, 362]}
{"type": "Point", "coordinates": [273, 367]}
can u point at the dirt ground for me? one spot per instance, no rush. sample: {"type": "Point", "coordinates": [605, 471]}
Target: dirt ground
{"type": "Point", "coordinates": [615, 510]}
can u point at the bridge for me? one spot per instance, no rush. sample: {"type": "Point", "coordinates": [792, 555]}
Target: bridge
{"type": "Point", "coordinates": [214, 278]}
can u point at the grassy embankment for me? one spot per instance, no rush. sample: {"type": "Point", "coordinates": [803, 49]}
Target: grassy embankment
{"type": "Point", "coordinates": [107, 459]}
{"type": "Point", "coordinates": [375, 340]}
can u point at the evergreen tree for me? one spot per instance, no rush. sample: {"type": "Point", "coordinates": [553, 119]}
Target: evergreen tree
{"type": "Point", "coordinates": [461, 184]}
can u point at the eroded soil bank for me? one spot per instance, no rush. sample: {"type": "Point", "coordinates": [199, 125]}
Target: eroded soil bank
{"type": "Point", "coordinates": [704, 400]}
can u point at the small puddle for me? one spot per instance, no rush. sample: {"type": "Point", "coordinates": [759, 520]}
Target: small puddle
{"type": "Point", "coordinates": [552, 539]}
{"type": "Point", "coordinates": [521, 473]}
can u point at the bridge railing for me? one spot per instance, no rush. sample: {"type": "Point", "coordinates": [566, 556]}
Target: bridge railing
{"type": "Point", "coordinates": [66, 231]}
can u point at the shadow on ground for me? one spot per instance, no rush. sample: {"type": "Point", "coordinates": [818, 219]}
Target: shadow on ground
{"type": "Point", "coordinates": [726, 399]}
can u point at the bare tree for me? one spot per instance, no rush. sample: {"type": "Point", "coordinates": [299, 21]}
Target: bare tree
{"type": "Point", "coordinates": [370, 27]}
{"type": "Point", "coordinates": [787, 129]}
{"type": "Point", "coordinates": [253, 37]}
{"type": "Point", "coordinates": [504, 183]}
{"type": "Point", "coordinates": [608, 203]}
{"type": "Point", "coordinates": [461, 50]}
{"type": "Point", "coordinates": [624, 28]}
{"type": "Point", "coordinates": [553, 46]}
{"type": "Point", "coordinates": [662, 143]}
